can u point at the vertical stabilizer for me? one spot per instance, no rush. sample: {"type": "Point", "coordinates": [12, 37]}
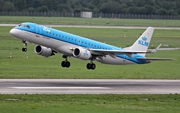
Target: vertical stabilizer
{"type": "Point", "coordinates": [143, 41]}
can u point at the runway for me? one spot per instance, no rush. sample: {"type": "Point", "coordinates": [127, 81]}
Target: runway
{"type": "Point", "coordinates": [112, 27]}
{"type": "Point", "coordinates": [88, 86]}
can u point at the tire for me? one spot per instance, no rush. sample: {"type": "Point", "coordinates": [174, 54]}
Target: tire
{"type": "Point", "coordinates": [24, 49]}
{"type": "Point", "coordinates": [93, 66]}
{"type": "Point", "coordinates": [88, 66]}
{"type": "Point", "coordinates": [68, 64]}
{"type": "Point", "coordinates": [63, 64]}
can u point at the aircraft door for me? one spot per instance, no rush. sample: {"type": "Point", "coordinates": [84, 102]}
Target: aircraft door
{"type": "Point", "coordinates": [79, 42]}
{"type": "Point", "coordinates": [38, 31]}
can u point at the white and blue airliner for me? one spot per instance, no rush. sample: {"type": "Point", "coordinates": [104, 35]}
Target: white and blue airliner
{"type": "Point", "coordinates": [50, 41]}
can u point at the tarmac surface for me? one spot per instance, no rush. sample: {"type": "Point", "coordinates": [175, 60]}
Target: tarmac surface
{"type": "Point", "coordinates": [88, 86]}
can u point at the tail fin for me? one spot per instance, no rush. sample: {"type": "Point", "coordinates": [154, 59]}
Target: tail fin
{"type": "Point", "coordinates": [143, 41]}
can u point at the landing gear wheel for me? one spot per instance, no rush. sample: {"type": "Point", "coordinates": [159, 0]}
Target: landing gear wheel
{"type": "Point", "coordinates": [88, 66]}
{"type": "Point", "coordinates": [24, 49]}
{"type": "Point", "coordinates": [65, 64]}
{"type": "Point", "coordinates": [91, 66]}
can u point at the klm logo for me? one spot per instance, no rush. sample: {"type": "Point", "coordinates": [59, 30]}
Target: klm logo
{"type": "Point", "coordinates": [86, 53]}
{"type": "Point", "coordinates": [143, 41]}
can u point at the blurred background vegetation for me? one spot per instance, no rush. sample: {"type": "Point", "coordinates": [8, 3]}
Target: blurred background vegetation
{"type": "Point", "coordinates": [148, 7]}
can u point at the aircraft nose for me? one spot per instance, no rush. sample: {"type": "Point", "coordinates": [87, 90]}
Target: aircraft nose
{"type": "Point", "coordinates": [12, 32]}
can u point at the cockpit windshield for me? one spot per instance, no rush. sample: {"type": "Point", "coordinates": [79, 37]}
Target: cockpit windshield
{"type": "Point", "coordinates": [24, 25]}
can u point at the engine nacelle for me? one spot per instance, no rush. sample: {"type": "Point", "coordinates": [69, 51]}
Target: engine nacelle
{"type": "Point", "coordinates": [82, 53]}
{"type": "Point", "coordinates": [43, 51]}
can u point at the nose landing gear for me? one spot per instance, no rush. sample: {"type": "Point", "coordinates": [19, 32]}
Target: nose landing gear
{"type": "Point", "coordinates": [24, 49]}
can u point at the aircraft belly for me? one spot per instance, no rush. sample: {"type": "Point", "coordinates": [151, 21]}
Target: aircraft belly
{"type": "Point", "coordinates": [114, 61]}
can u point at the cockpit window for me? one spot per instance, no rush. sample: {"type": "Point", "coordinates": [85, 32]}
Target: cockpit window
{"type": "Point", "coordinates": [24, 25]}
{"type": "Point", "coordinates": [28, 26]}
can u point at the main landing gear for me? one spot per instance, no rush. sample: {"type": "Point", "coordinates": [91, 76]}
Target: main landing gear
{"type": "Point", "coordinates": [65, 63]}
{"type": "Point", "coordinates": [24, 49]}
{"type": "Point", "coordinates": [91, 66]}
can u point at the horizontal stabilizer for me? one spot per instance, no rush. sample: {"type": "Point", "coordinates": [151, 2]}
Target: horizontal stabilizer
{"type": "Point", "coordinates": [158, 48]}
{"type": "Point", "coordinates": [154, 50]}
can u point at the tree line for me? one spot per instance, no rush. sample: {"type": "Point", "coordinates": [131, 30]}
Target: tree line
{"type": "Point", "coordinates": [148, 7]}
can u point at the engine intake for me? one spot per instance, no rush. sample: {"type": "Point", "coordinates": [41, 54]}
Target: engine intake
{"type": "Point", "coordinates": [82, 53]}
{"type": "Point", "coordinates": [43, 51]}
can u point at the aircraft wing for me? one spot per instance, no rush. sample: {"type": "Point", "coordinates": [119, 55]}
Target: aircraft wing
{"type": "Point", "coordinates": [113, 52]}
{"type": "Point", "coordinates": [156, 59]}
{"type": "Point", "coordinates": [127, 52]}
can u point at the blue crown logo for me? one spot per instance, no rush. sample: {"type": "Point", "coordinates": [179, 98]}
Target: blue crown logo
{"type": "Point", "coordinates": [144, 38]}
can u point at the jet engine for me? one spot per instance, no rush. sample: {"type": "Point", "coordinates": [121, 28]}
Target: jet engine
{"type": "Point", "coordinates": [43, 51]}
{"type": "Point", "coordinates": [82, 53]}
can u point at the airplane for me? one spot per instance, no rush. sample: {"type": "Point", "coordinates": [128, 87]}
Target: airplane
{"type": "Point", "coordinates": [50, 41]}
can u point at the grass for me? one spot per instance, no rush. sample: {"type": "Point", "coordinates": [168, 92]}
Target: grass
{"type": "Point", "coordinates": [85, 21]}
{"type": "Point", "coordinates": [19, 66]}
{"type": "Point", "coordinates": [105, 103]}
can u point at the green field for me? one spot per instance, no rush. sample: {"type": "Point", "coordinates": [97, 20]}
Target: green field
{"type": "Point", "coordinates": [106, 103]}
{"type": "Point", "coordinates": [19, 66]}
{"type": "Point", "coordinates": [30, 65]}
{"type": "Point", "coordinates": [85, 21]}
